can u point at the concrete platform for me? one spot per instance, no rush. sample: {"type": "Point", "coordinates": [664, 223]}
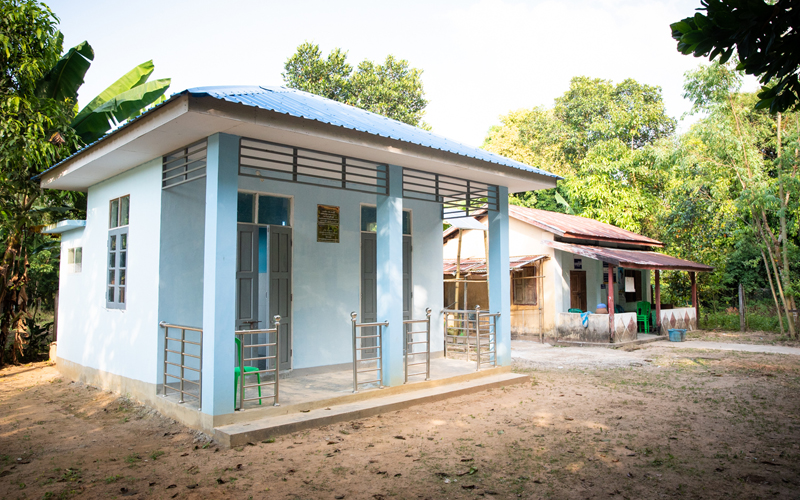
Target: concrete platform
{"type": "Point", "coordinates": [296, 417]}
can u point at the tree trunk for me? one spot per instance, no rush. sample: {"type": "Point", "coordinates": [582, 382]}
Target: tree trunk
{"type": "Point", "coordinates": [772, 288]}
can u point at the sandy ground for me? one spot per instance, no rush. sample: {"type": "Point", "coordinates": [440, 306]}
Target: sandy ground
{"type": "Point", "coordinates": [672, 422]}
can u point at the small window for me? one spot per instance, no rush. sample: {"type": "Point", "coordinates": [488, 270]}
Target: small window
{"type": "Point", "coordinates": [273, 210]}
{"type": "Point", "coordinates": [524, 285]}
{"type": "Point", "coordinates": [369, 217]}
{"type": "Point", "coordinates": [118, 213]}
{"type": "Point", "coordinates": [74, 259]}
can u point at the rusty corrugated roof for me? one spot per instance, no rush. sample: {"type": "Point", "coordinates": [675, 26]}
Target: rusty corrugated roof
{"type": "Point", "coordinates": [479, 265]}
{"type": "Point", "coordinates": [631, 259]}
{"type": "Point", "coordinates": [572, 226]}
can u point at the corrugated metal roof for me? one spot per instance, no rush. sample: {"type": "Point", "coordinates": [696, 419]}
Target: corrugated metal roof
{"type": "Point", "coordinates": [473, 265]}
{"type": "Point", "coordinates": [572, 226]}
{"type": "Point", "coordinates": [313, 107]}
{"type": "Point", "coordinates": [632, 259]}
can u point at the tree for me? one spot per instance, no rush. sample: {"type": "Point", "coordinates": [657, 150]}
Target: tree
{"type": "Point", "coordinates": [38, 127]}
{"type": "Point", "coordinates": [600, 138]}
{"type": "Point", "coordinates": [766, 39]}
{"type": "Point", "coordinates": [392, 89]}
{"type": "Point", "coordinates": [736, 159]}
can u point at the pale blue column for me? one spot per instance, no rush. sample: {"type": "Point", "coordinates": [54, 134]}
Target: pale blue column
{"type": "Point", "coordinates": [499, 281]}
{"type": "Point", "coordinates": [219, 274]}
{"type": "Point", "coordinates": [390, 276]}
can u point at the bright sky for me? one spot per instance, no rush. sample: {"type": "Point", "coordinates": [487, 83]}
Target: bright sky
{"type": "Point", "coordinates": [481, 59]}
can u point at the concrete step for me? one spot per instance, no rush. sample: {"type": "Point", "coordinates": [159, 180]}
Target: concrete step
{"type": "Point", "coordinates": [298, 419]}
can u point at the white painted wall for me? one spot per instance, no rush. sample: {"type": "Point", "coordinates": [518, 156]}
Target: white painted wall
{"type": "Point", "coordinates": [122, 342]}
{"type": "Point", "coordinates": [326, 277]}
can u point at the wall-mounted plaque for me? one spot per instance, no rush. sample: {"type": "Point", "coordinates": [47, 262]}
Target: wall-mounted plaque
{"type": "Point", "coordinates": [577, 264]}
{"type": "Point", "coordinates": [327, 224]}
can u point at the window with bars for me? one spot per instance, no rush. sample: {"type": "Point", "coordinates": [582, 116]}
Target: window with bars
{"type": "Point", "coordinates": [524, 284]}
{"type": "Point", "coordinates": [119, 210]}
{"type": "Point", "coordinates": [74, 260]}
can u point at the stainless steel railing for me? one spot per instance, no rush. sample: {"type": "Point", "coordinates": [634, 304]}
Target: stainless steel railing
{"type": "Point", "coordinates": [410, 343]}
{"type": "Point", "coordinates": [358, 348]}
{"type": "Point", "coordinates": [181, 365]}
{"type": "Point", "coordinates": [486, 338]}
{"type": "Point", "coordinates": [459, 331]}
{"type": "Point", "coordinates": [262, 379]}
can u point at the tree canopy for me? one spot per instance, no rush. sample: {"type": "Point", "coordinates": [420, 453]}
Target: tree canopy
{"type": "Point", "coordinates": [598, 136]}
{"type": "Point", "coordinates": [392, 89]}
{"type": "Point", "coordinates": [765, 37]}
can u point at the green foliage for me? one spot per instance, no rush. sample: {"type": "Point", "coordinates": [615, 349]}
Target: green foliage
{"type": "Point", "coordinates": [764, 36]}
{"type": "Point", "coordinates": [392, 89]}
{"type": "Point", "coordinates": [603, 139]}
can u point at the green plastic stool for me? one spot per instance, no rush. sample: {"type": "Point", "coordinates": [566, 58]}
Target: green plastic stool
{"type": "Point", "coordinates": [236, 372]}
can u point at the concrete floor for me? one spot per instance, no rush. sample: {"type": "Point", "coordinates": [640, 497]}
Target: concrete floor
{"type": "Point", "coordinates": [298, 387]}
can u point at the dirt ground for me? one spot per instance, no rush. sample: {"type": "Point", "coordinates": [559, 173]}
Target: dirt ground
{"type": "Point", "coordinates": [685, 423]}
{"type": "Point", "coordinates": [748, 337]}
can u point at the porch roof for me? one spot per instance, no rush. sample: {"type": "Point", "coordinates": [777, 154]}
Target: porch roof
{"type": "Point", "coordinates": [291, 117]}
{"type": "Point", "coordinates": [631, 259]}
{"type": "Point", "coordinates": [479, 265]}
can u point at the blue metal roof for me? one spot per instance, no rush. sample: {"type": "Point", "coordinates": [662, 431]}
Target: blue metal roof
{"type": "Point", "coordinates": [313, 107]}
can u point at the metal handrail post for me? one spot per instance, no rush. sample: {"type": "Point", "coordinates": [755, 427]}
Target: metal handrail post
{"type": "Point", "coordinates": [380, 356]}
{"type": "Point", "coordinates": [354, 317]}
{"type": "Point", "coordinates": [166, 353]}
{"type": "Point", "coordinates": [200, 375]}
{"type": "Point", "coordinates": [240, 357]}
{"type": "Point", "coordinates": [477, 336]}
{"type": "Point", "coordinates": [428, 346]}
{"type": "Point", "coordinates": [183, 360]}
{"type": "Point", "coordinates": [277, 319]}
{"type": "Point", "coordinates": [445, 334]}
{"type": "Point", "coordinates": [405, 358]}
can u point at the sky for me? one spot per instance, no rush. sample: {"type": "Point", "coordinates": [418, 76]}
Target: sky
{"type": "Point", "coordinates": [480, 59]}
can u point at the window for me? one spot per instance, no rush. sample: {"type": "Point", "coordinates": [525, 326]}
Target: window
{"type": "Point", "coordinates": [117, 282]}
{"type": "Point", "coordinates": [369, 218]}
{"type": "Point", "coordinates": [263, 209]}
{"type": "Point", "coordinates": [74, 259]}
{"type": "Point", "coordinates": [636, 295]}
{"type": "Point", "coordinates": [525, 286]}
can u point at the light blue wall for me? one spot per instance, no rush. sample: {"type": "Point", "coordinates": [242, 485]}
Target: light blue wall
{"type": "Point", "coordinates": [118, 341]}
{"type": "Point", "coordinates": [326, 277]}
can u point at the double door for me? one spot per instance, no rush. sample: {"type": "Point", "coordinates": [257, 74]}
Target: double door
{"type": "Point", "coordinates": [264, 284]}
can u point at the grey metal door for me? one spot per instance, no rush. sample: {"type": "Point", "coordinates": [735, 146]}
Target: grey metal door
{"type": "Point", "coordinates": [369, 285]}
{"type": "Point", "coordinates": [280, 288]}
{"type": "Point", "coordinates": [369, 290]}
{"type": "Point", "coordinates": [247, 277]}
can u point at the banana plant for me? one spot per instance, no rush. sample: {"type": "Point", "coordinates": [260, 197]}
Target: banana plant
{"type": "Point", "coordinates": [123, 99]}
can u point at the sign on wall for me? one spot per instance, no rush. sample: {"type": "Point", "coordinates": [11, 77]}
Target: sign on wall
{"type": "Point", "coordinates": [577, 264]}
{"type": "Point", "coordinates": [327, 224]}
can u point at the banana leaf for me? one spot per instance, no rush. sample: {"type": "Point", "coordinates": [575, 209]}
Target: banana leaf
{"type": "Point", "coordinates": [128, 104]}
{"type": "Point", "coordinates": [89, 125]}
{"type": "Point", "coordinates": [65, 78]}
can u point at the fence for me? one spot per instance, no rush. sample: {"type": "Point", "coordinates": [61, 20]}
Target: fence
{"type": "Point", "coordinates": [271, 363]}
{"type": "Point", "coordinates": [471, 331]}
{"type": "Point", "coordinates": [181, 365]}
{"type": "Point", "coordinates": [410, 343]}
{"type": "Point", "coordinates": [358, 347]}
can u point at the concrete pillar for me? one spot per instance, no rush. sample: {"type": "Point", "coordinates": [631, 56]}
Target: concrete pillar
{"type": "Point", "coordinates": [499, 279]}
{"type": "Point", "coordinates": [219, 274]}
{"type": "Point", "coordinates": [390, 276]}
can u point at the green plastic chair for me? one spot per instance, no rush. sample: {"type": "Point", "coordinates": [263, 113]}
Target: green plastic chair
{"type": "Point", "coordinates": [236, 372]}
{"type": "Point", "coordinates": [643, 315]}
{"type": "Point", "coordinates": [573, 310]}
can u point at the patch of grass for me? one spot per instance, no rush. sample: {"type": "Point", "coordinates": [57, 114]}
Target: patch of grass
{"type": "Point", "coordinates": [113, 479]}
{"type": "Point", "coordinates": [156, 454]}
{"type": "Point", "coordinates": [133, 458]}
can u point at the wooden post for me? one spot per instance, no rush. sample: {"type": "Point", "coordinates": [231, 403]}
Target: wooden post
{"type": "Point", "coordinates": [610, 304]}
{"type": "Point", "coordinates": [658, 302]}
{"type": "Point", "coordinates": [458, 271]}
{"type": "Point", "coordinates": [695, 302]}
{"type": "Point", "coordinates": [742, 317]}
{"type": "Point", "coordinates": [55, 319]}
